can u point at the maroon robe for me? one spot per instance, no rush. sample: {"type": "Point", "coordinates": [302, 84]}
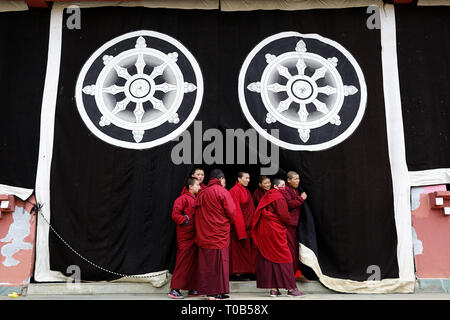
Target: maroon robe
{"type": "Point", "coordinates": [212, 273]}
{"type": "Point", "coordinates": [183, 277]}
{"type": "Point", "coordinates": [294, 201]}
{"type": "Point", "coordinates": [274, 260]}
{"type": "Point", "coordinates": [257, 195]}
{"type": "Point", "coordinates": [270, 224]}
{"type": "Point", "coordinates": [214, 208]}
{"type": "Point", "coordinates": [242, 252]}
{"type": "Point", "coordinates": [274, 275]}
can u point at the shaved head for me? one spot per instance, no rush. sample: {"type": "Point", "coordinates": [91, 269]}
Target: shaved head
{"type": "Point", "coordinates": [291, 174]}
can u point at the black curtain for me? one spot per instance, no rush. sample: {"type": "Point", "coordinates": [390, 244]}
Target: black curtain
{"type": "Point", "coordinates": [423, 51]}
{"type": "Point", "coordinates": [113, 205]}
{"type": "Point", "coordinates": [23, 61]}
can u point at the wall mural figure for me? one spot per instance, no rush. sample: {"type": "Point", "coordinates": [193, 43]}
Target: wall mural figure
{"type": "Point", "coordinates": [17, 232]}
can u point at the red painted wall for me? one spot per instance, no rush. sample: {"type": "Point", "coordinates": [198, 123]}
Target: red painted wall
{"type": "Point", "coordinates": [433, 231]}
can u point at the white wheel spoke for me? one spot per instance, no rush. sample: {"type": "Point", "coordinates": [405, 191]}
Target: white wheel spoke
{"type": "Point", "coordinates": [122, 72]}
{"type": "Point", "coordinates": [303, 113]}
{"type": "Point", "coordinates": [158, 104]}
{"type": "Point", "coordinates": [276, 87]}
{"type": "Point", "coordinates": [328, 90]}
{"type": "Point", "coordinates": [114, 89]}
{"type": "Point", "coordinates": [284, 105]}
{"type": "Point", "coordinates": [320, 106]}
{"type": "Point", "coordinates": [158, 70]}
{"type": "Point", "coordinates": [301, 66]}
{"type": "Point", "coordinates": [283, 71]}
{"type": "Point", "coordinates": [140, 64]}
{"type": "Point", "coordinates": [165, 87]}
{"type": "Point", "coordinates": [319, 73]}
{"type": "Point", "coordinates": [139, 112]}
{"type": "Point", "coordinates": [121, 105]}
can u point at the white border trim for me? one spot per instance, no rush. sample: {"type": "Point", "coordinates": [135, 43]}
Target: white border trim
{"type": "Point", "coordinates": [298, 147]}
{"type": "Point", "coordinates": [429, 177]}
{"type": "Point", "coordinates": [21, 193]}
{"type": "Point", "coordinates": [42, 262]}
{"type": "Point", "coordinates": [396, 143]}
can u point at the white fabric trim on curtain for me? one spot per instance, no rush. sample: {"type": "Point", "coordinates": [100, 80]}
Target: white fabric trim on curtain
{"type": "Point", "coordinates": [396, 142]}
{"type": "Point", "coordinates": [21, 193]}
{"type": "Point", "coordinates": [42, 261]}
{"type": "Point", "coordinates": [350, 286]}
{"type": "Point", "coordinates": [429, 177]}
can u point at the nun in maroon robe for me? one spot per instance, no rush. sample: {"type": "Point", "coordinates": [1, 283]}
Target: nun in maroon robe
{"type": "Point", "coordinates": [294, 201]}
{"type": "Point", "coordinates": [198, 174]}
{"type": "Point", "coordinates": [257, 195]}
{"type": "Point", "coordinates": [264, 186]}
{"type": "Point", "coordinates": [214, 209]}
{"type": "Point", "coordinates": [183, 277]}
{"type": "Point", "coordinates": [274, 261]}
{"type": "Point", "coordinates": [185, 190]}
{"type": "Point", "coordinates": [242, 252]}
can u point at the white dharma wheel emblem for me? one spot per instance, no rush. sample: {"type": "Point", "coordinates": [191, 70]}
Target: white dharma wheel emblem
{"type": "Point", "coordinates": [307, 86]}
{"type": "Point", "coordinates": [139, 90]}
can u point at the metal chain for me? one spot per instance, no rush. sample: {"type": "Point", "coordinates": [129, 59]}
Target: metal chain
{"type": "Point", "coordinates": [90, 262]}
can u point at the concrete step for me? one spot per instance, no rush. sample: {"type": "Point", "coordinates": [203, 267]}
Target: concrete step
{"type": "Point", "coordinates": [5, 290]}
{"type": "Point", "coordinates": [103, 288]}
{"type": "Point", "coordinates": [433, 285]}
